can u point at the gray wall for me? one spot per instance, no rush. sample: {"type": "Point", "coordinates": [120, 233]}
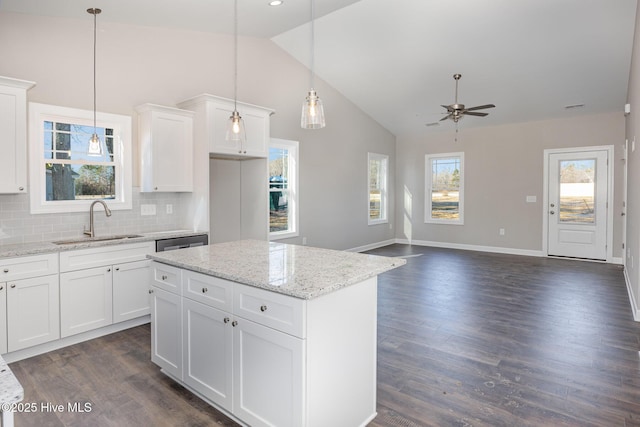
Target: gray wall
{"type": "Point", "coordinates": [142, 64]}
{"type": "Point", "coordinates": [503, 165]}
{"type": "Point", "coordinates": [632, 271]}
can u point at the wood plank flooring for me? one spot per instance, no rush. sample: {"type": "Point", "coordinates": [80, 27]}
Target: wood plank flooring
{"type": "Point", "coordinates": [464, 339]}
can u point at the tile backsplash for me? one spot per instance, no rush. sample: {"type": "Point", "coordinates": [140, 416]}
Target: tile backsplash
{"type": "Point", "coordinates": [18, 226]}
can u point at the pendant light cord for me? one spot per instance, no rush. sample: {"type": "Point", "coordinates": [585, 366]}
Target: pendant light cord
{"type": "Point", "coordinates": [312, 45]}
{"type": "Point", "coordinates": [235, 54]}
{"type": "Point", "coordinates": [95, 16]}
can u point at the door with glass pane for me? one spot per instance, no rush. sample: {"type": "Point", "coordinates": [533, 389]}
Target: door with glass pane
{"type": "Point", "coordinates": [577, 204]}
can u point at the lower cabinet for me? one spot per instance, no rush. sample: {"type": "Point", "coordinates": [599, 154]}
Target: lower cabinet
{"type": "Point", "coordinates": [32, 312]}
{"type": "Point", "coordinates": [102, 286]}
{"type": "Point", "coordinates": [166, 331]}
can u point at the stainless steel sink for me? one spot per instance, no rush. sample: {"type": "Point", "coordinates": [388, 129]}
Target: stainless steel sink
{"type": "Point", "coordinates": [96, 239]}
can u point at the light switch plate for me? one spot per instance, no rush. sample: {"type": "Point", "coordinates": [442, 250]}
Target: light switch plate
{"type": "Point", "coordinates": [147, 209]}
{"type": "Point", "coordinates": [531, 199]}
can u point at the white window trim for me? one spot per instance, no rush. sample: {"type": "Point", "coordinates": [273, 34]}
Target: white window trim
{"type": "Point", "coordinates": [427, 191]}
{"type": "Point", "coordinates": [38, 113]}
{"type": "Point", "coordinates": [292, 183]}
{"type": "Point", "coordinates": [384, 199]}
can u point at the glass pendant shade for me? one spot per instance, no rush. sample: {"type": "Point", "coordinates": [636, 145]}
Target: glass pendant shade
{"type": "Point", "coordinates": [312, 112]}
{"type": "Point", "coordinates": [235, 128]}
{"type": "Point", "coordinates": [95, 146]}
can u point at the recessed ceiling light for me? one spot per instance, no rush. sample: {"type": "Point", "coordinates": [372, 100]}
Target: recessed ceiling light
{"type": "Point", "coordinates": [275, 2]}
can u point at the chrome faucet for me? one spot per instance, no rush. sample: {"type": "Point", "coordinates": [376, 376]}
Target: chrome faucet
{"type": "Point", "coordinates": [91, 232]}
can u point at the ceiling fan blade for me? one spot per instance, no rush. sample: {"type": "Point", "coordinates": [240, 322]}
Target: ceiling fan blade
{"type": "Point", "coordinates": [481, 107]}
{"type": "Point", "coordinates": [474, 113]}
{"type": "Point", "coordinates": [448, 116]}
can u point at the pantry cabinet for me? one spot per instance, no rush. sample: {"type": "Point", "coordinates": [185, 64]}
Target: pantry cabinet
{"type": "Point", "coordinates": [165, 137]}
{"type": "Point", "coordinates": [212, 114]}
{"type": "Point", "coordinates": [13, 134]}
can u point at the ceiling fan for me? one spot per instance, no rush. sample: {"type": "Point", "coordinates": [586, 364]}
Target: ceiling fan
{"type": "Point", "coordinates": [456, 111]}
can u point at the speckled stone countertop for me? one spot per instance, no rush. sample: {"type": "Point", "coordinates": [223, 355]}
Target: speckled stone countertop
{"type": "Point", "coordinates": [299, 271]}
{"type": "Point", "coordinates": [11, 390]}
{"type": "Point", "coordinates": [15, 250]}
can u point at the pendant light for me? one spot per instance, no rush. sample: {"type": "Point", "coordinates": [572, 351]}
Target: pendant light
{"type": "Point", "coordinates": [95, 145]}
{"type": "Point", "coordinates": [235, 124]}
{"type": "Point", "coordinates": [312, 111]}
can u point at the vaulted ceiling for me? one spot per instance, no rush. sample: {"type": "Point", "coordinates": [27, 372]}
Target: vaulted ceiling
{"type": "Point", "coordinates": [395, 59]}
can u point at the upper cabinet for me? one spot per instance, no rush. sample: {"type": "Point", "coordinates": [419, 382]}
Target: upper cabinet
{"type": "Point", "coordinates": [13, 135]}
{"type": "Point", "coordinates": [212, 112]}
{"type": "Point", "coordinates": [166, 148]}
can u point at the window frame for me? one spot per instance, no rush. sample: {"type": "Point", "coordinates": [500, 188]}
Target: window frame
{"type": "Point", "coordinates": [122, 152]}
{"type": "Point", "coordinates": [384, 188]}
{"type": "Point", "coordinates": [428, 162]}
{"type": "Point", "coordinates": [292, 188]}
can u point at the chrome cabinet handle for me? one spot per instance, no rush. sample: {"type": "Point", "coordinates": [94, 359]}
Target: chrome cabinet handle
{"type": "Point", "coordinates": [263, 308]}
{"type": "Point", "coordinates": [6, 270]}
{"type": "Point", "coordinates": [164, 277]}
{"type": "Point", "coordinates": [13, 285]}
{"type": "Point", "coordinates": [150, 291]}
{"type": "Point", "coordinates": [226, 320]}
{"type": "Point", "coordinates": [234, 323]}
{"type": "Point", "coordinates": [205, 290]}
{"type": "Point", "coordinates": [552, 212]}
{"type": "Point", "coordinates": [21, 188]}
{"type": "Point", "coordinates": [1, 288]}
{"type": "Point", "coordinates": [117, 268]}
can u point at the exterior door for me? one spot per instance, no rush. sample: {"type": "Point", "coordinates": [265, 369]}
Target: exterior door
{"type": "Point", "coordinates": [577, 204]}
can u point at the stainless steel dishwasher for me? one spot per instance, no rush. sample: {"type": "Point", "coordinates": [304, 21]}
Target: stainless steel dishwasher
{"type": "Point", "coordinates": [173, 243]}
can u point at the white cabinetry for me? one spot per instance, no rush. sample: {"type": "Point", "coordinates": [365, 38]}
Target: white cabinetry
{"type": "Point", "coordinates": [213, 112]}
{"type": "Point", "coordinates": [166, 318]}
{"type": "Point", "coordinates": [13, 135]}
{"type": "Point", "coordinates": [28, 301]}
{"type": "Point", "coordinates": [100, 286]}
{"type": "Point", "coordinates": [166, 148]}
{"type": "Point", "coordinates": [266, 358]}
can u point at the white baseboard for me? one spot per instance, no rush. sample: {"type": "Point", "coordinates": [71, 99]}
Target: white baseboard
{"type": "Point", "coordinates": [373, 246]}
{"type": "Point", "coordinates": [466, 247]}
{"type": "Point", "coordinates": [632, 297]}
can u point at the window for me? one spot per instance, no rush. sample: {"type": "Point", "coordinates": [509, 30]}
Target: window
{"type": "Point", "coordinates": [283, 189]}
{"type": "Point", "coordinates": [63, 177]}
{"type": "Point", "coordinates": [377, 173]}
{"type": "Point", "coordinates": [444, 198]}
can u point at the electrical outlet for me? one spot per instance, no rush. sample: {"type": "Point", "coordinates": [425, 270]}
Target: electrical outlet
{"type": "Point", "coordinates": [304, 240]}
{"type": "Point", "coordinates": [147, 209]}
{"type": "Point", "coordinates": [169, 208]}
{"type": "Point", "coordinates": [502, 231]}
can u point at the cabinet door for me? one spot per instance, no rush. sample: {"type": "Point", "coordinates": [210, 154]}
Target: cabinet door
{"type": "Point", "coordinates": [166, 331]}
{"type": "Point", "coordinates": [257, 127]}
{"type": "Point", "coordinates": [131, 290]}
{"type": "Point", "coordinates": [85, 300]}
{"type": "Point", "coordinates": [166, 149]}
{"type": "Point", "coordinates": [268, 371]}
{"type": "Point", "coordinates": [13, 138]}
{"type": "Point", "coordinates": [3, 318]}
{"type": "Point", "coordinates": [32, 312]}
{"type": "Point", "coordinates": [207, 351]}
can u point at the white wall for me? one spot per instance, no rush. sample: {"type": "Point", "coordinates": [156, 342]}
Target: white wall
{"type": "Point", "coordinates": [142, 64]}
{"type": "Point", "coordinates": [503, 165]}
{"type": "Point", "coordinates": [632, 272]}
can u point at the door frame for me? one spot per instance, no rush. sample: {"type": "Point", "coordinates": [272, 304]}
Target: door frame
{"type": "Point", "coordinates": [545, 193]}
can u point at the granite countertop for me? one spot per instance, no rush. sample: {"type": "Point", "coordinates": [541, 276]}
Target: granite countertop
{"type": "Point", "coordinates": [299, 271]}
{"type": "Point", "coordinates": [11, 390]}
{"type": "Point", "coordinates": [15, 250]}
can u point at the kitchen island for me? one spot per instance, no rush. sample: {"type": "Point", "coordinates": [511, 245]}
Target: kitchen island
{"type": "Point", "coordinates": [272, 334]}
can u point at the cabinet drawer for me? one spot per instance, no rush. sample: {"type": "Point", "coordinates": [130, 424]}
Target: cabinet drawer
{"type": "Point", "coordinates": [106, 255]}
{"type": "Point", "coordinates": [281, 312]}
{"type": "Point", "coordinates": [209, 290]}
{"type": "Point", "coordinates": [166, 277]}
{"type": "Point", "coordinates": [28, 266]}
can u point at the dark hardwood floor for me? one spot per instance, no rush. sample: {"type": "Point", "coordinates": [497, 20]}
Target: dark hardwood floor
{"type": "Point", "coordinates": [464, 339]}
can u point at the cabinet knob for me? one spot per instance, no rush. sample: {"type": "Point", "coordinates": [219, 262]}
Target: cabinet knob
{"type": "Point", "coordinates": [164, 277]}
{"type": "Point", "coordinates": [205, 290]}
{"type": "Point", "coordinates": [150, 291]}
{"type": "Point", "coordinates": [6, 270]}
{"type": "Point", "coordinates": [226, 320]}
{"type": "Point", "coordinates": [234, 323]}
{"type": "Point", "coordinates": [155, 188]}
{"type": "Point", "coordinates": [1, 288]}
{"type": "Point", "coordinates": [13, 285]}
{"type": "Point", "coordinates": [263, 308]}
{"type": "Point", "coordinates": [108, 270]}
{"type": "Point", "coordinates": [21, 188]}
{"type": "Point", "coordinates": [117, 268]}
